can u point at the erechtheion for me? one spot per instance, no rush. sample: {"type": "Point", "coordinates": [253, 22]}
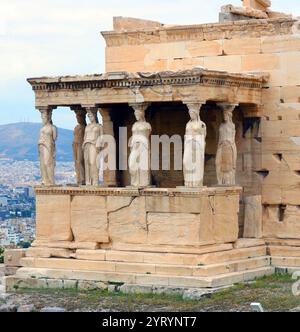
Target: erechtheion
{"type": "Point", "coordinates": [231, 92]}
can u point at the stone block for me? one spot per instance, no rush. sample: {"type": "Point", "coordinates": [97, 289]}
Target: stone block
{"type": "Point", "coordinates": [128, 225]}
{"type": "Point", "coordinates": [231, 63]}
{"type": "Point", "coordinates": [48, 252]}
{"type": "Point", "coordinates": [12, 257]}
{"type": "Point", "coordinates": [225, 228]}
{"type": "Point", "coordinates": [231, 255]}
{"type": "Point", "coordinates": [253, 217]}
{"type": "Point", "coordinates": [260, 62]}
{"type": "Point", "coordinates": [176, 204]}
{"type": "Point", "coordinates": [165, 51]}
{"type": "Point", "coordinates": [70, 284]}
{"type": "Point", "coordinates": [131, 53]}
{"type": "Point", "coordinates": [284, 251]}
{"type": "Point", "coordinates": [135, 289]}
{"type": "Point", "coordinates": [204, 48]}
{"type": "Point", "coordinates": [286, 261]}
{"type": "Point", "coordinates": [135, 268]}
{"type": "Point", "coordinates": [152, 280]}
{"type": "Point", "coordinates": [281, 223]}
{"type": "Point", "coordinates": [242, 46]}
{"type": "Point", "coordinates": [89, 219]}
{"type": "Point", "coordinates": [53, 220]}
{"type": "Point", "coordinates": [55, 283]}
{"type": "Point", "coordinates": [291, 94]}
{"type": "Point", "coordinates": [278, 44]}
{"type": "Point", "coordinates": [173, 270]}
{"type": "Point", "coordinates": [122, 256]}
{"type": "Point", "coordinates": [248, 243]}
{"type": "Point", "coordinates": [94, 255]}
{"type": "Point", "coordinates": [173, 228]}
{"type": "Point", "coordinates": [76, 264]}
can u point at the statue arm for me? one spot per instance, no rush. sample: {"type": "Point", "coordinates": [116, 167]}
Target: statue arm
{"type": "Point", "coordinates": [55, 133]}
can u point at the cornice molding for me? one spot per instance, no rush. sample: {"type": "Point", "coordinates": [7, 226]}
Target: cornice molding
{"type": "Point", "coordinates": [195, 76]}
{"type": "Point", "coordinates": [200, 32]}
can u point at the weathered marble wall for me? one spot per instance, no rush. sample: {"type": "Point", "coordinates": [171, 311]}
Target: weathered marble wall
{"type": "Point", "coordinates": [269, 152]}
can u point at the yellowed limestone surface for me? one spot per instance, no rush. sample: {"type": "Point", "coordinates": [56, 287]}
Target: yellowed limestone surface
{"type": "Point", "coordinates": [119, 216]}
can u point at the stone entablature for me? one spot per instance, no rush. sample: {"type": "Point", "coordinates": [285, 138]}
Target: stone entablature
{"type": "Point", "coordinates": [201, 32]}
{"type": "Point", "coordinates": [123, 87]}
{"type": "Point", "coordinates": [127, 80]}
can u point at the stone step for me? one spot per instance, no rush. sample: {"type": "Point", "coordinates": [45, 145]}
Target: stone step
{"type": "Point", "coordinates": [31, 276]}
{"type": "Point", "coordinates": [153, 257]}
{"type": "Point", "coordinates": [284, 251]}
{"type": "Point", "coordinates": [285, 261]}
{"type": "Point", "coordinates": [145, 268]}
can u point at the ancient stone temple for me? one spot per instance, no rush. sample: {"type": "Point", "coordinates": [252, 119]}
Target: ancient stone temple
{"type": "Point", "coordinates": [230, 91]}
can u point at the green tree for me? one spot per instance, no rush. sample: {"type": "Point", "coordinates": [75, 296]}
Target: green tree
{"type": "Point", "coordinates": [1, 255]}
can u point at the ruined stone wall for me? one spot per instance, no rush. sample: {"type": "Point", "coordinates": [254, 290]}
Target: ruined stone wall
{"type": "Point", "coordinates": [273, 151]}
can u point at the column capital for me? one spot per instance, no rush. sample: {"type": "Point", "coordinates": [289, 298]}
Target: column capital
{"type": "Point", "coordinates": [140, 106]}
{"type": "Point", "coordinates": [227, 107]}
{"type": "Point", "coordinates": [194, 105]}
{"type": "Point", "coordinates": [90, 107]}
{"type": "Point", "coordinates": [45, 108]}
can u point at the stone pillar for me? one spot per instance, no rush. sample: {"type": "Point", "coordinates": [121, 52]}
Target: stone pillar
{"type": "Point", "coordinates": [140, 156]}
{"type": "Point", "coordinates": [194, 147]}
{"type": "Point", "coordinates": [226, 157]}
{"type": "Point", "coordinates": [47, 146]}
{"type": "Point", "coordinates": [91, 146]}
{"type": "Point", "coordinates": [109, 176]}
{"type": "Point", "coordinates": [79, 131]}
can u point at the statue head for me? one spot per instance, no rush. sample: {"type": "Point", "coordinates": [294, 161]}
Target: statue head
{"type": "Point", "coordinates": [92, 115]}
{"type": "Point", "coordinates": [139, 114]}
{"type": "Point", "coordinates": [46, 116]}
{"type": "Point", "coordinates": [194, 111]}
{"type": "Point", "coordinates": [227, 115]}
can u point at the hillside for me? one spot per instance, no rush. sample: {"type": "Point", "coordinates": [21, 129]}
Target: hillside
{"type": "Point", "coordinates": [18, 141]}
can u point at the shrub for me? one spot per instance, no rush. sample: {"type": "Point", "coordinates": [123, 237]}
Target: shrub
{"type": "Point", "coordinates": [1, 255]}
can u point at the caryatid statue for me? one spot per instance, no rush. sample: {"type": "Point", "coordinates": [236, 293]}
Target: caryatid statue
{"type": "Point", "coordinates": [139, 158]}
{"type": "Point", "coordinates": [78, 145]}
{"type": "Point", "coordinates": [47, 148]}
{"type": "Point", "coordinates": [91, 147]}
{"type": "Point", "coordinates": [227, 153]}
{"type": "Point", "coordinates": [194, 148]}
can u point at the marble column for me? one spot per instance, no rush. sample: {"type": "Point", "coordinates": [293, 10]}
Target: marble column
{"type": "Point", "coordinates": [92, 144]}
{"type": "Point", "coordinates": [47, 147]}
{"type": "Point", "coordinates": [194, 147]}
{"type": "Point", "coordinates": [139, 158]}
{"type": "Point", "coordinates": [78, 154]}
{"type": "Point", "coordinates": [109, 175]}
{"type": "Point", "coordinates": [226, 157]}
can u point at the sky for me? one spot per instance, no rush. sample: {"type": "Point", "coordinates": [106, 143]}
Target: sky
{"type": "Point", "coordinates": [62, 37]}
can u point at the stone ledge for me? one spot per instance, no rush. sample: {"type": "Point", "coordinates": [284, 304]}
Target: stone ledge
{"type": "Point", "coordinates": [171, 192]}
{"type": "Point", "coordinates": [215, 31]}
{"type": "Point", "coordinates": [39, 278]}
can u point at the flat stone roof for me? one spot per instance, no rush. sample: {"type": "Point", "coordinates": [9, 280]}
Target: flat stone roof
{"type": "Point", "coordinates": [121, 76]}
